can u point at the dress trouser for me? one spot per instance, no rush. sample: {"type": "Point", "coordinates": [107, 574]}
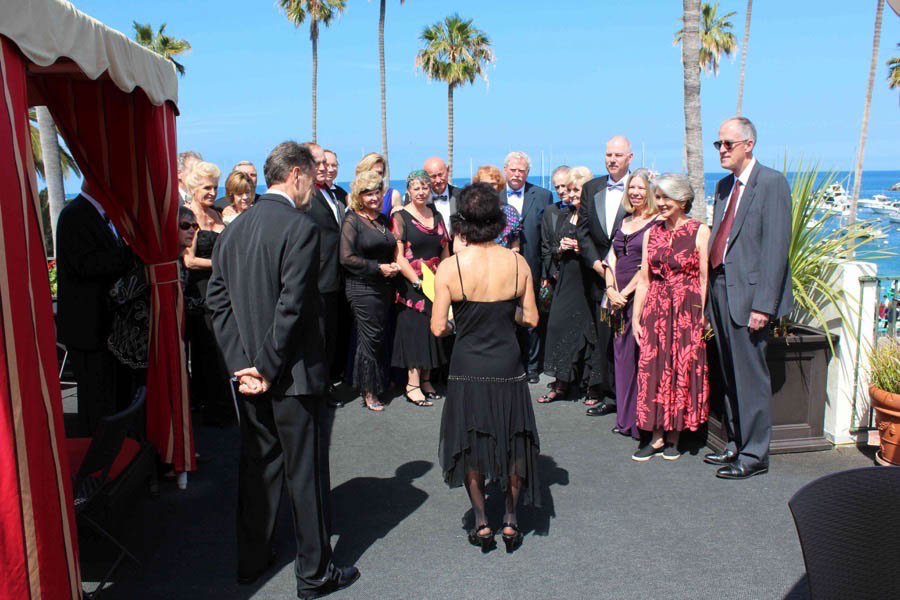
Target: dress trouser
{"type": "Point", "coordinates": [328, 322]}
{"type": "Point", "coordinates": [102, 390]}
{"type": "Point", "coordinates": [745, 373]}
{"type": "Point", "coordinates": [280, 447]}
{"type": "Point", "coordinates": [602, 376]}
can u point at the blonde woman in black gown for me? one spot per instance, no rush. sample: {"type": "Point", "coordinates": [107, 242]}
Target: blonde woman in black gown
{"type": "Point", "coordinates": [488, 429]}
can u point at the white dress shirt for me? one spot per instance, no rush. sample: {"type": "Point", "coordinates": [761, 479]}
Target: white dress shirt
{"type": "Point", "coordinates": [442, 205]}
{"type": "Point", "coordinates": [517, 201]}
{"type": "Point", "coordinates": [613, 201]}
{"type": "Point", "coordinates": [282, 194]}
{"type": "Point", "coordinates": [332, 204]}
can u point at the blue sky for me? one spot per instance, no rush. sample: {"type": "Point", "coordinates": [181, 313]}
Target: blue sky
{"type": "Point", "coordinates": [566, 78]}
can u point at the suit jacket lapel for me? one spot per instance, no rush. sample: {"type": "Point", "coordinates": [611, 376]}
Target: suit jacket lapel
{"type": "Point", "coordinates": [324, 205]}
{"type": "Point", "coordinates": [719, 206]}
{"type": "Point", "coordinates": [747, 198]}
{"type": "Point", "coordinates": [600, 207]}
{"type": "Point", "coordinates": [527, 200]}
{"type": "Point", "coordinates": [620, 215]}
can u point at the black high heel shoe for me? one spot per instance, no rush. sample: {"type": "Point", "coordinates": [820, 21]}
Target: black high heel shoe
{"type": "Point", "coordinates": [423, 402]}
{"type": "Point", "coordinates": [431, 395]}
{"type": "Point", "coordinates": [512, 541]}
{"type": "Point", "coordinates": [486, 542]}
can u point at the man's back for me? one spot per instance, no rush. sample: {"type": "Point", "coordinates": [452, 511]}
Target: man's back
{"type": "Point", "coordinates": [263, 295]}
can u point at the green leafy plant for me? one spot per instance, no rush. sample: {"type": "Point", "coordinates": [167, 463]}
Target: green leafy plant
{"type": "Point", "coordinates": [51, 272]}
{"type": "Point", "coordinates": [884, 363]}
{"type": "Point", "coordinates": [817, 250]}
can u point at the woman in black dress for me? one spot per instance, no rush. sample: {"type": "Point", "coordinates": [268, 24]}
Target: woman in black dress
{"type": "Point", "coordinates": [571, 333]}
{"type": "Point", "coordinates": [367, 254]}
{"type": "Point", "coordinates": [422, 240]}
{"type": "Point", "coordinates": [210, 380]}
{"type": "Point", "coordinates": [488, 431]}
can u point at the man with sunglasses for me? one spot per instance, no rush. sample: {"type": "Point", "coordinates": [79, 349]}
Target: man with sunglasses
{"type": "Point", "coordinates": [749, 286]}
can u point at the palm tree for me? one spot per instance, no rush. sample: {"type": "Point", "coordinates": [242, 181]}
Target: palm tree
{"type": "Point", "coordinates": [51, 162]}
{"type": "Point", "coordinates": [319, 11]}
{"type": "Point", "coordinates": [740, 100]}
{"type": "Point", "coordinates": [893, 65]}
{"type": "Point", "coordinates": [861, 150]}
{"type": "Point", "coordinates": [161, 43]}
{"type": "Point", "coordinates": [384, 144]}
{"type": "Point", "coordinates": [67, 163]}
{"type": "Point", "coordinates": [715, 37]}
{"type": "Point", "coordinates": [456, 53]}
{"type": "Point", "coordinates": [691, 57]}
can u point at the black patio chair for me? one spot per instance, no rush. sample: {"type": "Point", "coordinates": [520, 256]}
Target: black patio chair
{"type": "Point", "coordinates": [98, 463]}
{"type": "Point", "coordinates": [848, 524]}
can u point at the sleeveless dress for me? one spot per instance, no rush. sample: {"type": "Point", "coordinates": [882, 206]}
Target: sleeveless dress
{"type": "Point", "coordinates": [571, 334]}
{"type": "Point", "coordinates": [673, 384]}
{"type": "Point", "coordinates": [487, 423]}
{"type": "Point", "coordinates": [414, 344]}
{"type": "Point", "coordinates": [625, 349]}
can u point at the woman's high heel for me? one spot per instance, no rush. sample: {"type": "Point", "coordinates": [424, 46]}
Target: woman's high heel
{"type": "Point", "coordinates": [486, 541]}
{"type": "Point", "coordinates": [512, 541]}
{"type": "Point", "coordinates": [430, 395]}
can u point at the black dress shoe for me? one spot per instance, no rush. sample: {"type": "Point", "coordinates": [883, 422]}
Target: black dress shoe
{"type": "Point", "coordinates": [741, 470]}
{"type": "Point", "coordinates": [347, 577]}
{"type": "Point", "coordinates": [534, 377]}
{"type": "Point", "coordinates": [604, 408]}
{"type": "Point", "coordinates": [723, 458]}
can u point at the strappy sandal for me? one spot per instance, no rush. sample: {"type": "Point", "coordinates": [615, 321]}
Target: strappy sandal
{"type": "Point", "coordinates": [486, 541]}
{"type": "Point", "coordinates": [591, 401]}
{"type": "Point", "coordinates": [554, 394]}
{"type": "Point", "coordinates": [376, 406]}
{"type": "Point", "coordinates": [512, 541]}
{"type": "Point", "coordinates": [431, 395]}
{"type": "Point", "coordinates": [423, 402]}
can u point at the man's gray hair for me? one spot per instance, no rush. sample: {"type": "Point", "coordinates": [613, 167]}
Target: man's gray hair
{"type": "Point", "coordinates": [560, 169]}
{"type": "Point", "coordinates": [748, 130]}
{"type": "Point", "coordinates": [516, 155]}
{"type": "Point", "coordinates": [243, 163]}
{"type": "Point", "coordinates": [183, 156]}
{"type": "Point", "coordinates": [285, 157]}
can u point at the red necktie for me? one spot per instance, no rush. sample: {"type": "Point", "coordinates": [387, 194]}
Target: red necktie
{"type": "Point", "coordinates": [717, 254]}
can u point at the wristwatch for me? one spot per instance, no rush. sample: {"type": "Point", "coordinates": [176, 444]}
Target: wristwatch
{"type": "Point", "coordinates": [417, 284]}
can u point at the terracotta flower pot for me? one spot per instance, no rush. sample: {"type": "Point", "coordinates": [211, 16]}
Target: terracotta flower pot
{"type": "Point", "coordinates": [887, 419]}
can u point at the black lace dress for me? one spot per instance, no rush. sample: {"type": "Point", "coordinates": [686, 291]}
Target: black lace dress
{"type": "Point", "coordinates": [415, 347]}
{"type": "Point", "coordinates": [487, 424]}
{"type": "Point", "coordinates": [571, 335]}
{"type": "Point", "coordinates": [210, 380]}
{"type": "Point", "coordinates": [366, 244]}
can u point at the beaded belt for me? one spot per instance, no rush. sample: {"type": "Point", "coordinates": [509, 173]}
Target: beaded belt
{"type": "Point", "coordinates": [476, 379]}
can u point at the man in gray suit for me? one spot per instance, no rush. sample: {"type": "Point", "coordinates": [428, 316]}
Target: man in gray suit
{"type": "Point", "coordinates": [749, 286]}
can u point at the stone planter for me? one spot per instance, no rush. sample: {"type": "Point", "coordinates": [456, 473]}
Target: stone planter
{"type": "Point", "coordinates": [798, 366]}
{"type": "Point", "coordinates": [887, 418]}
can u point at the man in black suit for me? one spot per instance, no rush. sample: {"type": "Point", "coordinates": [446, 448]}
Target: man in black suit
{"type": "Point", "coordinates": [599, 217]}
{"type": "Point", "coordinates": [247, 168]}
{"type": "Point", "coordinates": [263, 295]}
{"type": "Point", "coordinates": [530, 200]}
{"type": "Point", "coordinates": [90, 258]}
{"type": "Point", "coordinates": [331, 173]}
{"type": "Point", "coordinates": [749, 285]}
{"type": "Point", "coordinates": [443, 195]}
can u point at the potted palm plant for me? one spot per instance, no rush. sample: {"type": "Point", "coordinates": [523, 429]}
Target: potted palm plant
{"type": "Point", "coordinates": [800, 348]}
{"type": "Point", "coordinates": [884, 393]}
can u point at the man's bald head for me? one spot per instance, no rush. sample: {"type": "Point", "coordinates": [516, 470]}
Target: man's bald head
{"type": "Point", "coordinates": [618, 157]}
{"type": "Point", "coordinates": [437, 171]}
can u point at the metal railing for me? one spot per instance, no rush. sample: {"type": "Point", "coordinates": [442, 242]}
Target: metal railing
{"type": "Point", "coordinates": [887, 292]}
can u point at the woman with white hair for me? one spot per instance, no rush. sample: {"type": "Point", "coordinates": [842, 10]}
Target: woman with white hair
{"type": "Point", "coordinates": [571, 333]}
{"type": "Point", "coordinates": [669, 322]}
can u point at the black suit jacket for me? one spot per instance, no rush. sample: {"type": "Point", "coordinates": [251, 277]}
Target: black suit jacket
{"type": "Point", "coordinates": [89, 261]}
{"type": "Point", "coordinates": [330, 273]}
{"type": "Point", "coordinates": [534, 200]}
{"type": "Point", "coordinates": [594, 233]}
{"type": "Point", "coordinates": [341, 194]}
{"type": "Point", "coordinates": [264, 298]}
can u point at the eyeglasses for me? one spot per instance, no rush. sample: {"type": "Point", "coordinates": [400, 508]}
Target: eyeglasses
{"type": "Point", "coordinates": [185, 225]}
{"type": "Point", "coordinates": [728, 144]}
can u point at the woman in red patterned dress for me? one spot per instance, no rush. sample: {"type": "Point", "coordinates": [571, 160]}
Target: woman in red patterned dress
{"type": "Point", "coordinates": [669, 322]}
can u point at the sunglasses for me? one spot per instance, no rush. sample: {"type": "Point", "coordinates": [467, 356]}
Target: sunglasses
{"type": "Point", "coordinates": [728, 144]}
{"type": "Point", "coordinates": [185, 225]}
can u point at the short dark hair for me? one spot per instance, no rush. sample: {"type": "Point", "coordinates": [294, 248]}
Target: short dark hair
{"type": "Point", "coordinates": [185, 213]}
{"type": "Point", "coordinates": [285, 157]}
{"type": "Point", "coordinates": [479, 217]}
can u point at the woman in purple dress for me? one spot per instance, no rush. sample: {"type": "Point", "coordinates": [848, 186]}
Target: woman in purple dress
{"type": "Point", "coordinates": [625, 261]}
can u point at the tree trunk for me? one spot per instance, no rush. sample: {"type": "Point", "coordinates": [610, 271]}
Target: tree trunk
{"type": "Point", "coordinates": [740, 101]}
{"type": "Point", "coordinates": [861, 151]}
{"type": "Point", "coordinates": [450, 133]}
{"type": "Point", "coordinates": [693, 127]}
{"type": "Point", "coordinates": [314, 36]}
{"type": "Point", "coordinates": [56, 193]}
{"type": "Point", "coordinates": [384, 144]}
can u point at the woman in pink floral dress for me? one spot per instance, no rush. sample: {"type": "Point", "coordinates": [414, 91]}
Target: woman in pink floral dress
{"type": "Point", "coordinates": [669, 322]}
{"type": "Point", "coordinates": [422, 240]}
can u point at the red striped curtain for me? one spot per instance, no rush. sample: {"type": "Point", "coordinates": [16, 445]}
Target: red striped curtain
{"type": "Point", "coordinates": [125, 146]}
{"type": "Point", "coordinates": [38, 540]}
